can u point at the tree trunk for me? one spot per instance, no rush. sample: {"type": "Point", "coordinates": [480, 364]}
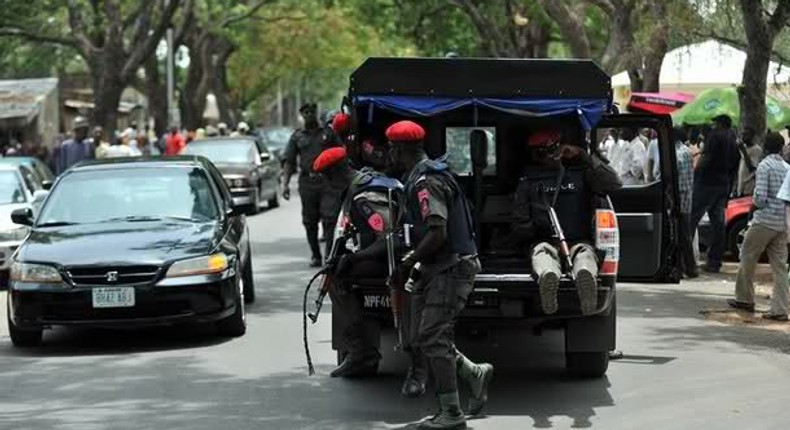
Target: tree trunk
{"type": "Point", "coordinates": [753, 88]}
{"type": "Point", "coordinates": [107, 91]}
{"type": "Point", "coordinates": [156, 92]}
{"type": "Point", "coordinates": [223, 49]}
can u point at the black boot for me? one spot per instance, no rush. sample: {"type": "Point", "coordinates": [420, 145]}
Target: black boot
{"type": "Point", "coordinates": [315, 248]}
{"type": "Point", "coordinates": [450, 415]}
{"type": "Point", "coordinates": [358, 365]}
{"type": "Point", "coordinates": [477, 377]}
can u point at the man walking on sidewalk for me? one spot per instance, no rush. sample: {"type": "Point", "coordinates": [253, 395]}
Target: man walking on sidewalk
{"type": "Point", "coordinates": [767, 232]}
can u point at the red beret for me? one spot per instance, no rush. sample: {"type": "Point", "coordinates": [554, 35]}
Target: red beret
{"type": "Point", "coordinates": [405, 131]}
{"type": "Point", "coordinates": [330, 157]}
{"type": "Point", "coordinates": [341, 123]}
{"type": "Point", "coordinates": [543, 137]}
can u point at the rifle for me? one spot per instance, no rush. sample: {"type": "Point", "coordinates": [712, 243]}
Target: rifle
{"type": "Point", "coordinates": [555, 221]}
{"type": "Point", "coordinates": [394, 281]}
{"type": "Point", "coordinates": [331, 262]}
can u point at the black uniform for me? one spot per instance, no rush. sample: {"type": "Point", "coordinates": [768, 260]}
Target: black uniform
{"type": "Point", "coordinates": [320, 199]}
{"type": "Point", "coordinates": [366, 210]}
{"type": "Point", "coordinates": [432, 197]}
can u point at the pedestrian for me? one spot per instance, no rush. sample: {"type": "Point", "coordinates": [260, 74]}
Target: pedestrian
{"type": "Point", "coordinates": [751, 154]}
{"type": "Point", "coordinates": [99, 143]}
{"type": "Point", "coordinates": [76, 149]}
{"type": "Point", "coordinates": [444, 264]}
{"type": "Point", "coordinates": [533, 231]}
{"type": "Point", "coordinates": [652, 162]}
{"type": "Point", "coordinates": [685, 164]}
{"type": "Point", "coordinates": [631, 160]}
{"type": "Point", "coordinates": [242, 129]}
{"type": "Point", "coordinates": [320, 202]}
{"type": "Point", "coordinates": [767, 232]}
{"type": "Point", "coordinates": [120, 147]}
{"type": "Point", "coordinates": [222, 129]}
{"type": "Point", "coordinates": [175, 142]}
{"type": "Point", "coordinates": [713, 180]}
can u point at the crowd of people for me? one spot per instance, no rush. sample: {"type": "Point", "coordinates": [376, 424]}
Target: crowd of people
{"type": "Point", "coordinates": [85, 143]}
{"type": "Point", "coordinates": [715, 164]}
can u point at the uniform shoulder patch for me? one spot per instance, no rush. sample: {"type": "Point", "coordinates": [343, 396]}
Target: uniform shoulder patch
{"type": "Point", "coordinates": [376, 222]}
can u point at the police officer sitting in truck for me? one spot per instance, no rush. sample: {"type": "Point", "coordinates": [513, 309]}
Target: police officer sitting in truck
{"type": "Point", "coordinates": [547, 183]}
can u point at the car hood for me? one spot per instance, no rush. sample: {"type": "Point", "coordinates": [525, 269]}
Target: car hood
{"type": "Point", "coordinates": [243, 169]}
{"type": "Point", "coordinates": [120, 243]}
{"type": "Point", "coordinates": [5, 215]}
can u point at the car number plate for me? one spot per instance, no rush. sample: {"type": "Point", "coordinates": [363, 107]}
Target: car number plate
{"type": "Point", "coordinates": [113, 297]}
{"type": "Point", "coordinates": [374, 301]}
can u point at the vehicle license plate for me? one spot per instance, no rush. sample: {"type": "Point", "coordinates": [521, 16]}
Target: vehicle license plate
{"type": "Point", "coordinates": [113, 297]}
{"type": "Point", "coordinates": [373, 301]}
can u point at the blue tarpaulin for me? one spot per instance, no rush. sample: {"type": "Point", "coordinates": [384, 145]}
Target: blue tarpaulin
{"type": "Point", "coordinates": [589, 111]}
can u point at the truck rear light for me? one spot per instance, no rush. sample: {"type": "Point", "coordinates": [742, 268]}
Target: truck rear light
{"type": "Point", "coordinates": [607, 239]}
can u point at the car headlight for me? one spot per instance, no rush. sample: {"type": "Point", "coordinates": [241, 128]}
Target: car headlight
{"type": "Point", "coordinates": [237, 182]}
{"type": "Point", "coordinates": [214, 263]}
{"type": "Point", "coordinates": [39, 273]}
{"type": "Point", "coordinates": [14, 235]}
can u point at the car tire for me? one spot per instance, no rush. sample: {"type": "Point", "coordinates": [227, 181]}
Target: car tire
{"type": "Point", "coordinates": [249, 279]}
{"type": "Point", "coordinates": [734, 237]}
{"type": "Point", "coordinates": [255, 207]}
{"type": "Point", "coordinates": [236, 324]}
{"type": "Point", "coordinates": [274, 202]}
{"type": "Point", "coordinates": [587, 365]}
{"type": "Point", "coordinates": [23, 338]}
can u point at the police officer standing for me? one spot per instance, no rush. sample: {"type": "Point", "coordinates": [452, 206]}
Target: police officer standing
{"type": "Point", "coordinates": [444, 264]}
{"type": "Point", "coordinates": [320, 201]}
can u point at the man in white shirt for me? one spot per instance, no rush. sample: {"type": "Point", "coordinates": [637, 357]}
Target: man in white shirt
{"type": "Point", "coordinates": [632, 159]}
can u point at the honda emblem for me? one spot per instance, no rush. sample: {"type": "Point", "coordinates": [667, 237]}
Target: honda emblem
{"type": "Point", "coordinates": [112, 276]}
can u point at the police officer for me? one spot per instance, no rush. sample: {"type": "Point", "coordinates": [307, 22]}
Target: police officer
{"type": "Point", "coordinates": [320, 200]}
{"type": "Point", "coordinates": [533, 232]}
{"type": "Point", "coordinates": [444, 263]}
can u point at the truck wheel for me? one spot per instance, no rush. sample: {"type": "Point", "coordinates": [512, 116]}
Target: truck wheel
{"type": "Point", "coordinates": [23, 338]}
{"type": "Point", "coordinates": [587, 364]}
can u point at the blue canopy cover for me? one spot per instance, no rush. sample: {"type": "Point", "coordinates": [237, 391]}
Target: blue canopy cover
{"type": "Point", "coordinates": [589, 111]}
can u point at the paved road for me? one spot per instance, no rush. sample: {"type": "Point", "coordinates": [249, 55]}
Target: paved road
{"type": "Point", "coordinates": [680, 371]}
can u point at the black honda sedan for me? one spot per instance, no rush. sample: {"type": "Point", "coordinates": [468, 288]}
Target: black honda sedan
{"type": "Point", "coordinates": [131, 242]}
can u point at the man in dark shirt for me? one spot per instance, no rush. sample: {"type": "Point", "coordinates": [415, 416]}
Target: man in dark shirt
{"type": "Point", "coordinates": [320, 200]}
{"type": "Point", "coordinates": [714, 177]}
{"type": "Point", "coordinates": [76, 149]}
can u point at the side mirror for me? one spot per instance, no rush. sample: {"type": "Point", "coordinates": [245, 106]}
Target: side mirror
{"type": "Point", "coordinates": [265, 156]}
{"type": "Point", "coordinates": [47, 184]}
{"type": "Point", "coordinates": [478, 142]}
{"type": "Point", "coordinates": [23, 216]}
{"type": "Point", "coordinates": [40, 195]}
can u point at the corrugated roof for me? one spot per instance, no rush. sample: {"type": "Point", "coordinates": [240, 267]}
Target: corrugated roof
{"type": "Point", "coordinates": [21, 98]}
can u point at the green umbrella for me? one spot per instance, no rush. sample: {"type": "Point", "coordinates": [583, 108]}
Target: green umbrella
{"type": "Point", "coordinates": [724, 101]}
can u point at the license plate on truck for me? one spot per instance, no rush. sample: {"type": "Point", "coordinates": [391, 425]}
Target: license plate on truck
{"type": "Point", "coordinates": [113, 297]}
{"type": "Point", "coordinates": [375, 301]}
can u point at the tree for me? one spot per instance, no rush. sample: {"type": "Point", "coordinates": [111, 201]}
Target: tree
{"type": "Point", "coordinates": [114, 37]}
{"type": "Point", "coordinates": [762, 28]}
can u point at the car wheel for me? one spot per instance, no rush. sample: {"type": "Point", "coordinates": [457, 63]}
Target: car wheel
{"type": "Point", "coordinates": [236, 324]}
{"type": "Point", "coordinates": [735, 235]}
{"type": "Point", "coordinates": [587, 364]}
{"type": "Point", "coordinates": [249, 279]}
{"type": "Point", "coordinates": [274, 202]}
{"type": "Point", "coordinates": [23, 338]}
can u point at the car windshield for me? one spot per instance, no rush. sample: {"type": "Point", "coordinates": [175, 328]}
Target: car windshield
{"type": "Point", "coordinates": [134, 194]}
{"type": "Point", "coordinates": [277, 138]}
{"type": "Point", "coordinates": [10, 188]}
{"type": "Point", "coordinates": [224, 151]}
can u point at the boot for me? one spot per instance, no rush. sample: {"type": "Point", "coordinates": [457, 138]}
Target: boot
{"type": "Point", "coordinates": [357, 366]}
{"type": "Point", "coordinates": [315, 248]}
{"type": "Point", "coordinates": [477, 377]}
{"type": "Point", "coordinates": [414, 385]}
{"type": "Point", "coordinates": [549, 285]}
{"type": "Point", "coordinates": [450, 415]}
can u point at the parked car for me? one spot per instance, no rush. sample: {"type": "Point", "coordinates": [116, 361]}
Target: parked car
{"type": "Point", "coordinates": [247, 165]}
{"type": "Point", "coordinates": [38, 167]}
{"type": "Point", "coordinates": [15, 194]}
{"type": "Point", "coordinates": [128, 243]}
{"type": "Point", "coordinates": [736, 219]}
{"type": "Point", "coordinates": [276, 139]}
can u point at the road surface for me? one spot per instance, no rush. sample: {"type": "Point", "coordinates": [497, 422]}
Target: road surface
{"type": "Point", "coordinates": [680, 370]}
